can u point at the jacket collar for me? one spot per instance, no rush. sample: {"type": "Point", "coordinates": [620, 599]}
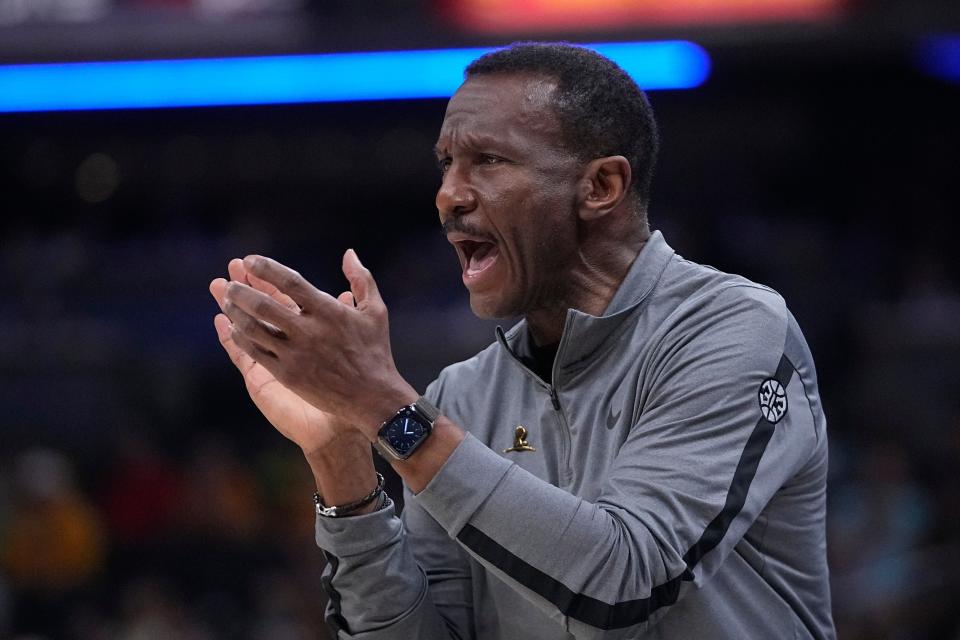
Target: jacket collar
{"type": "Point", "coordinates": [584, 334]}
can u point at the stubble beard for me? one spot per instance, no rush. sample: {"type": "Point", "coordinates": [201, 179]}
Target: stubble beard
{"type": "Point", "coordinates": [521, 295]}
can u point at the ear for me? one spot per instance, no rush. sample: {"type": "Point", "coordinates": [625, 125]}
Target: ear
{"type": "Point", "coordinates": [604, 185]}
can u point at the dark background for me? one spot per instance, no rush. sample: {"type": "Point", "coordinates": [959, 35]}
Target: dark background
{"type": "Point", "coordinates": [141, 494]}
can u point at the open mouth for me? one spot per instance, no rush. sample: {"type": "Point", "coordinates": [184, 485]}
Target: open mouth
{"type": "Point", "coordinates": [478, 256]}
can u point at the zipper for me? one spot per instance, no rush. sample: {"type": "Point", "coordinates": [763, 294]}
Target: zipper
{"type": "Point", "coordinates": [554, 399]}
{"type": "Point", "coordinates": [566, 475]}
{"type": "Point", "coordinates": [563, 465]}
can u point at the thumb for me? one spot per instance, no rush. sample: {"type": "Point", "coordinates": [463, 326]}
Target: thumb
{"type": "Point", "coordinates": [362, 284]}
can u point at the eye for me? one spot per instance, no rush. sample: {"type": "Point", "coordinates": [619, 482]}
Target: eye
{"type": "Point", "coordinates": [486, 158]}
{"type": "Point", "coordinates": [443, 164]}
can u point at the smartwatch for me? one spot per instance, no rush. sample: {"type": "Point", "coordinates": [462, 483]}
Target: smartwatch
{"type": "Point", "coordinates": [402, 434]}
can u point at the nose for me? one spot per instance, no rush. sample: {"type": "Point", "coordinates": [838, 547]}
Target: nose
{"type": "Point", "coordinates": [455, 196]}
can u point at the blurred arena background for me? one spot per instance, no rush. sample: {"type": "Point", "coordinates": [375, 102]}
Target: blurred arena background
{"type": "Point", "coordinates": [142, 496]}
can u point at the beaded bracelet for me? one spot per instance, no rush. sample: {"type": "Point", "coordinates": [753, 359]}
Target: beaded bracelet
{"type": "Point", "coordinates": [346, 509]}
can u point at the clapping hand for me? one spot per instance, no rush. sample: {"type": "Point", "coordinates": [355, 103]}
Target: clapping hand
{"type": "Point", "coordinates": [315, 365]}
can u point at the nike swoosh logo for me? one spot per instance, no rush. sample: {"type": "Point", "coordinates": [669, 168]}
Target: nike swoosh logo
{"type": "Point", "coordinates": [612, 419]}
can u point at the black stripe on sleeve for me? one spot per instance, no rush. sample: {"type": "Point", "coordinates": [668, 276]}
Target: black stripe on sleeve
{"type": "Point", "coordinates": [742, 478]}
{"type": "Point", "coordinates": [576, 605]}
{"type": "Point", "coordinates": [334, 618]}
{"type": "Point", "coordinates": [627, 613]}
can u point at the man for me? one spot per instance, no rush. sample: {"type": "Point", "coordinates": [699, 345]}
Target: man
{"type": "Point", "coordinates": [643, 455]}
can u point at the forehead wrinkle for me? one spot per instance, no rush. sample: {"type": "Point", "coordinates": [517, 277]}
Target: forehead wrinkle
{"type": "Point", "coordinates": [479, 115]}
{"type": "Point", "coordinates": [523, 95]}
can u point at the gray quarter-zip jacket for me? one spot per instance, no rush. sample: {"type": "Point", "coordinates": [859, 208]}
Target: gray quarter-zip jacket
{"type": "Point", "coordinates": [676, 489]}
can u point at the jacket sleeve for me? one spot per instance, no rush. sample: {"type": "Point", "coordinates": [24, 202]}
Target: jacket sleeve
{"type": "Point", "coordinates": [391, 577]}
{"type": "Point", "coordinates": [695, 471]}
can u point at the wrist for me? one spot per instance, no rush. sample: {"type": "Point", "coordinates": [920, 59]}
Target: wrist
{"type": "Point", "coordinates": [386, 408]}
{"type": "Point", "coordinates": [418, 471]}
{"type": "Point", "coordinates": [344, 438]}
{"type": "Point", "coordinates": [362, 505]}
{"type": "Point", "coordinates": [343, 472]}
{"type": "Point", "coordinates": [410, 427]}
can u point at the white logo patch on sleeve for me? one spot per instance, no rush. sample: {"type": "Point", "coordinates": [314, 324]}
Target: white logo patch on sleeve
{"type": "Point", "coordinates": [773, 400]}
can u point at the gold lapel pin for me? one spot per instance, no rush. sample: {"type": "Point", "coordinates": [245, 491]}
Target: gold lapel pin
{"type": "Point", "coordinates": [520, 440]}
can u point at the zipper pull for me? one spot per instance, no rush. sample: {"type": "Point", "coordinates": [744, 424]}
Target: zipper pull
{"type": "Point", "coordinates": [554, 399]}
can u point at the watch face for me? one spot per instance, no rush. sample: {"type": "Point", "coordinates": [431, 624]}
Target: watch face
{"type": "Point", "coordinates": [404, 432]}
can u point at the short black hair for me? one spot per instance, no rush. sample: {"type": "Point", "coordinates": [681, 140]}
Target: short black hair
{"type": "Point", "coordinates": [601, 110]}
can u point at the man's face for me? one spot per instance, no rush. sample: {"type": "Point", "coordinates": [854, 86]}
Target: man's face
{"type": "Point", "coordinates": [508, 200]}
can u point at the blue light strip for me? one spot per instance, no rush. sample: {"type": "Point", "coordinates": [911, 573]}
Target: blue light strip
{"type": "Point", "coordinates": [333, 77]}
{"type": "Point", "coordinates": [940, 57]}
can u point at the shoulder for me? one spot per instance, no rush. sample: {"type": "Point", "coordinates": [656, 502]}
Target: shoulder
{"type": "Point", "coordinates": [703, 298]}
{"type": "Point", "coordinates": [750, 302]}
{"type": "Point", "coordinates": [721, 321]}
{"type": "Point", "coordinates": [707, 281]}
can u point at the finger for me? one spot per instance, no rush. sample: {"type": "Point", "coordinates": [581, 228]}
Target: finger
{"type": "Point", "coordinates": [346, 298]}
{"type": "Point", "coordinates": [362, 284]}
{"type": "Point", "coordinates": [252, 330]}
{"type": "Point", "coordinates": [262, 307]}
{"type": "Point", "coordinates": [240, 358]}
{"type": "Point", "coordinates": [238, 273]}
{"type": "Point", "coordinates": [262, 285]}
{"type": "Point", "coordinates": [253, 351]}
{"type": "Point", "coordinates": [287, 281]}
{"type": "Point", "coordinates": [218, 289]}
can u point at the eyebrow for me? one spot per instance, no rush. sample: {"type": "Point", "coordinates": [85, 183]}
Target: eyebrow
{"type": "Point", "coordinates": [476, 142]}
